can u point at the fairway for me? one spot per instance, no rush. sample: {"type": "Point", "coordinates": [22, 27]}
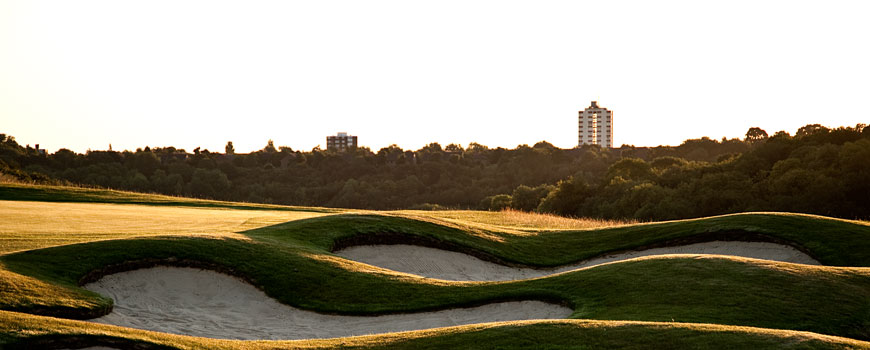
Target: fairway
{"type": "Point", "coordinates": [32, 225]}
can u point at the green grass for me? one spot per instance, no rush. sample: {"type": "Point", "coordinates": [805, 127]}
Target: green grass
{"type": "Point", "coordinates": [31, 225]}
{"type": "Point", "coordinates": [49, 193]}
{"type": "Point", "coordinates": [708, 297]}
{"type": "Point", "coordinates": [510, 220]}
{"type": "Point", "coordinates": [831, 241]}
{"type": "Point", "coordinates": [829, 300]}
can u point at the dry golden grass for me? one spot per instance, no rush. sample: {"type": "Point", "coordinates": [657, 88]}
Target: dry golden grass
{"type": "Point", "coordinates": [19, 289]}
{"type": "Point", "coordinates": [508, 335]}
{"type": "Point", "coordinates": [31, 225]}
{"type": "Point", "coordinates": [9, 179]}
{"type": "Point", "coordinates": [514, 220]}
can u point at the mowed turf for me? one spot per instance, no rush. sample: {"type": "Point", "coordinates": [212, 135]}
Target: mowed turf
{"type": "Point", "coordinates": [49, 193]}
{"type": "Point", "coordinates": [291, 262]}
{"type": "Point", "coordinates": [30, 225]}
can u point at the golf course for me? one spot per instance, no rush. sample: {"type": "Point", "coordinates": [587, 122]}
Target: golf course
{"type": "Point", "coordinates": [101, 269]}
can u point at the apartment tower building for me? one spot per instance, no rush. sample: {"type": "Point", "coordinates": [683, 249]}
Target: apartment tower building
{"type": "Point", "coordinates": [595, 126]}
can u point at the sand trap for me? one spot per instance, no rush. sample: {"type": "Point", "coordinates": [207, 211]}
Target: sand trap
{"type": "Point", "coordinates": [209, 304]}
{"type": "Point", "coordinates": [452, 266]}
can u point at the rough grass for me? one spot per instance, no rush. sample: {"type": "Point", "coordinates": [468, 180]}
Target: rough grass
{"type": "Point", "coordinates": [512, 220]}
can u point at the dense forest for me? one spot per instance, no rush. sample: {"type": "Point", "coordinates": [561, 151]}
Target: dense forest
{"type": "Point", "coordinates": [818, 170]}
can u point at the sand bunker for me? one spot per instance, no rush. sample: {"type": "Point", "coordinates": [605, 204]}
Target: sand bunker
{"type": "Point", "coordinates": [452, 266]}
{"type": "Point", "coordinates": [209, 304]}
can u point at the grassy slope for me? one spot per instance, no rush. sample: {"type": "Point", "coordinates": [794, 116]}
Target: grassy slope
{"type": "Point", "coordinates": [563, 334]}
{"type": "Point", "coordinates": [831, 241]}
{"type": "Point", "coordinates": [510, 220]}
{"type": "Point", "coordinates": [528, 239]}
{"type": "Point", "coordinates": [829, 300]}
{"type": "Point", "coordinates": [717, 290]}
{"type": "Point", "coordinates": [46, 193]}
{"type": "Point", "coordinates": [32, 225]}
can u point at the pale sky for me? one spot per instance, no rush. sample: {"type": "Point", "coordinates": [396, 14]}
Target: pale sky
{"type": "Point", "coordinates": [84, 74]}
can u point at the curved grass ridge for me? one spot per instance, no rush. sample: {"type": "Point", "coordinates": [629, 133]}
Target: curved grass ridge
{"type": "Point", "coordinates": [832, 242]}
{"type": "Point", "coordinates": [45, 332]}
{"type": "Point", "coordinates": [717, 289]}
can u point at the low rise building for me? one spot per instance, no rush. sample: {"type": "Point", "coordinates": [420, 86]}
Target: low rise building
{"type": "Point", "coordinates": [341, 142]}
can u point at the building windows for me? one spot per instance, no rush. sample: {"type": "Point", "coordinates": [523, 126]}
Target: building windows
{"type": "Point", "coordinates": [598, 129]}
{"type": "Point", "coordinates": [341, 142]}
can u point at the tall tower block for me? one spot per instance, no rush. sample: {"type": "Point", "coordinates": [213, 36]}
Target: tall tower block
{"type": "Point", "coordinates": [595, 126]}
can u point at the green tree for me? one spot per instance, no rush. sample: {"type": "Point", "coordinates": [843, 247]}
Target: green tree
{"type": "Point", "coordinates": [566, 198]}
{"type": "Point", "coordinates": [665, 162]}
{"type": "Point", "coordinates": [211, 183]}
{"type": "Point", "coordinates": [146, 162]}
{"type": "Point", "coordinates": [497, 202]}
{"type": "Point", "coordinates": [431, 152]}
{"type": "Point", "coordinates": [811, 129]}
{"type": "Point", "coordinates": [527, 198]}
{"type": "Point", "coordinates": [476, 147]}
{"type": "Point", "coordinates": [172, 184]}
{"type": "Point", "coordinates": [455, 148]}
{"type": "Point", "coordinates": [139, 182]}
{"type": "Point", "coordinates": [63, 158]}
{"type": "Point", "coordinates": [270, 147]}
{"type": "Point", "coordinates": [755, 134]}
{"type": "Point", "coordinates": [630, 169]}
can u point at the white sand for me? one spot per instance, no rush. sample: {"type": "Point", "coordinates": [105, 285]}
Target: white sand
{"type": "Point", "coordinates": [209, 304]}
{"type": "Point", "coordinates": [447, 265]}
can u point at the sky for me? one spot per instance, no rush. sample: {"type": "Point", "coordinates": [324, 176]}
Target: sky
{"type": "Point", "coordinates": [198, 73]}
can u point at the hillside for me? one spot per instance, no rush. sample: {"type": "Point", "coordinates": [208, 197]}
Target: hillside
{"type": "Point", "coordinates": [287, 253]}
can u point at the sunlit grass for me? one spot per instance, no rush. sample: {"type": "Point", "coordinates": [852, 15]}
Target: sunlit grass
{"type": "Point", "coordinates": [19, 289]}
{"type": "Point", "coordinates": [53, 193]}
{"type": "Point", "coordinates": [513, 220]}
{"type": "Point", "coordinates": [37, 330]}
{"type": "Point", "coordinates": [286, 253]}
{"type": "Point", "coordinates": [31, 225]}
{"type": "Point", "coordinates": [685, 288]}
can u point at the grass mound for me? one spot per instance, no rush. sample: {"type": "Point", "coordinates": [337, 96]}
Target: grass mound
{"type": "Point", "coordinates": [736, 291]}
{"type": "Point", "coordinates": [831, 241]}
{"type": "Point", "coordinates": [708, 296]}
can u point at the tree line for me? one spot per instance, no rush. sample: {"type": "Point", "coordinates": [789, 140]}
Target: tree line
{"type": "Point", "coordinates": [818, 170]}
